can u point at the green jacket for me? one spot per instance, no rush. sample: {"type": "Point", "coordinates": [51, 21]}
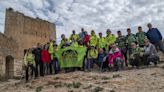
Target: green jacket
{"type": "Point", "coordinates": [55, 53]}
{"type": "Point", "coordinates": [51, 48]}
{"type": "Point", "coordinates": [75, 37]}
{"type": "Point", "coordinates": [121, 41]}
{"type": "Point", "coordinates": [93, 40]}
{"type": "Point", "coordinates": [92, 54]}
{"type": "Point", "coordinates": [29, 58]}
{"type": "Point", "coordinates": [140, 38]}
{"type": "Point", "coordinates": [75, 44]}
{"type": "Point", "coordinates": [130, 38]}
{"type": "Point", "coordinates": [110, 39]}
{"type": "Point", "coordinates": [62, 42]}
{"type": "Point", "coordinates": [102, 42]}
{"type": "Point", "coordinates": [136, 51]}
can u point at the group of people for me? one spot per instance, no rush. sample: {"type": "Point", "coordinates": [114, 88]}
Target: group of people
{"type": "Point", "coordinates": [109, 52]}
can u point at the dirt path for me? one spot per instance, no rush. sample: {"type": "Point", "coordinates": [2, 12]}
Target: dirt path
{"type": "Point", "coordinates": [136, 80]}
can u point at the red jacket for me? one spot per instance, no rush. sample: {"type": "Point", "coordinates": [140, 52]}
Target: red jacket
{"type": "Point", "coordinates": [86, 40]}
{"type": "Point", "coordinates": [46, 56]}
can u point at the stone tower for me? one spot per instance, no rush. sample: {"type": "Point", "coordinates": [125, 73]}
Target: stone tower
{"type": "Point", "coordinates": [27, 31]}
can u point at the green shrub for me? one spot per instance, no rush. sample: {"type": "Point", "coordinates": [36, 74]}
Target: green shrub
{"type": "Point", "coordinates": [98, 89]}
{"type": "Point", "coordinates": [39, 89]}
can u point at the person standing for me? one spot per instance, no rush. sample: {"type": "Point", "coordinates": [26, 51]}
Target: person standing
{"type": "Point", "coordinates": [86, 39]}
{"type": "Point", "coordinates": [56, 65]}
{"type": "Point", "coordinates": [74, 36]}
{"type": "Point", "coordinates": [46, 59]}
{"type": "Point", "coordinates": [81, 35]}
{"type": "Point", "coordinates": [110, 39]}
{"type": "Point", "coordinates": [101, 42]}
{"type": "Point", "coordinates": [130, 38]}
{"type": "Point", "coordinates": [63, 41]}
{"type": "Point", "coordinates": [121, 42]}
{"type": "Point", "coordinates": [93, 41]}
{"type": "Point", "coordinates": [38, 62]}
{"type": "Point", "coordinates": [74, 43]}
{"type": "Point", "coordinates": [51, 51]}
{"type": "Point", "coordinates": [29, 62]}
{"type": "Point", "coordinates": [140, 37]}
{"type": "Point", "coordinates": [155, 37]}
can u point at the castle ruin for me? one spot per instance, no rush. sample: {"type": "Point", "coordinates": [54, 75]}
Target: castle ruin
{"type": "Point", "coordinates": [21, 32]}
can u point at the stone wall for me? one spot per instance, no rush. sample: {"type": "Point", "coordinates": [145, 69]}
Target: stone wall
{"type": "Point", "coordinates": [8, 47]}
{"type": "Point", "coordinates": [27, 31]}
{"type": "Point", "coordinates": [21, 32]}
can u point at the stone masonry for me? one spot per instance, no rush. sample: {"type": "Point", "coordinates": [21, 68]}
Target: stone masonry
{"type": "Point", "coordinates": [21, 32]}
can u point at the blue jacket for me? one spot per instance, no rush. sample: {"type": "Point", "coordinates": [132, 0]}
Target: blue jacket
{"type": "Point", "coordinates": [154, 35]}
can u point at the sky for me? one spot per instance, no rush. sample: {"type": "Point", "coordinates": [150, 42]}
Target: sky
{"type": "Point", "coordinates": [99, 15]}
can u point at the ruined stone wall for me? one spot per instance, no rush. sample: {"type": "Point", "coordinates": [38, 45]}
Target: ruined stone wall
{"type": "Point", "coordinates": [8, 47]}
{"type": "Point", "coordinates": [21, 32]}
{"type": "Point", "coordinates": [8, 44]}
{"type": "Point", "coordinates": [27, 31]}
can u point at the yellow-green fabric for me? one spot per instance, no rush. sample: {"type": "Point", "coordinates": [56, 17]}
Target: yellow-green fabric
{"type": "Point", "coordinates": [75, 37]}
{"type": "Point", "coordinates": [51, 49]}
{"type": "Point", "coordinates": [29, 58]}
{"type": "Point", "coordinates": [71, 56]}
{"type": "Point", "coordinates": [54, 54]}
{"type": "Point", "coordinates": [102, 42]}
{"type": "Point", "coordinates": [74, 44]}
{"type": "Point", "coordinates": [62, 42]}
{"type": "Point", "coordinates": [110, 39]}
{"type": "Point", "coordinates": [93, 40]}
{"type": "Point", "coordinates": [130, 38]}
{"type": "Point", "coordinates": [140, 38]}
{"type": "Point", "coordinates": [92, 53]}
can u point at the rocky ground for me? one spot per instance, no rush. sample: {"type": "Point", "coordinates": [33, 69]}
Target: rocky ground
{"type": "Point", "coordinates": [136, 80]}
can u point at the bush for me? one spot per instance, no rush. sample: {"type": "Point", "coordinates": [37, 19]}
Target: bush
{"type": "Point", "coordinates": [98, 89]}
{"type": "Point", "coordinates": [39, 89]}
{"type": "Point", "coordinates": [76, 84]}
{"type": "Point", "coordinates": [117, 76]}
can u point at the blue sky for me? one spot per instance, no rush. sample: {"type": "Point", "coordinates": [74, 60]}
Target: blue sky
{"type": "Point", "coordinates": [90, 14]}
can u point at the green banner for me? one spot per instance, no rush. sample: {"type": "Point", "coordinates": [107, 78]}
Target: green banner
{"type": "Point", "coordinates": [71, 56]}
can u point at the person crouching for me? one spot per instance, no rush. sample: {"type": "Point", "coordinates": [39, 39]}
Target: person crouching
{"type": "Point", "coordinates": [91, 57]}
{"type": "Point", "coordinates": [135, 58]}
{"type": "Point", "coordinates": [115, 58]}
{"type": "Point", "coordinates": [150, 53]}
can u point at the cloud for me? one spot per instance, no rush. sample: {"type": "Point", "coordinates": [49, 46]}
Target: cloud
{"type": "Point", "coordinates": [91, 14]}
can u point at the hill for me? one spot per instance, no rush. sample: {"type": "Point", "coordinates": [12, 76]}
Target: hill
{"type": "Point", "coordinates": [135, 80]}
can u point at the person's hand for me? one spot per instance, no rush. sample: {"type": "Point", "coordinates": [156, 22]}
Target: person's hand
{"type": "Point", "coordinates": [141, 54]}
{"type": "Point", "coordinates": [142, 49]}
{"type": "Point", "coordinates": [131, 56]}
